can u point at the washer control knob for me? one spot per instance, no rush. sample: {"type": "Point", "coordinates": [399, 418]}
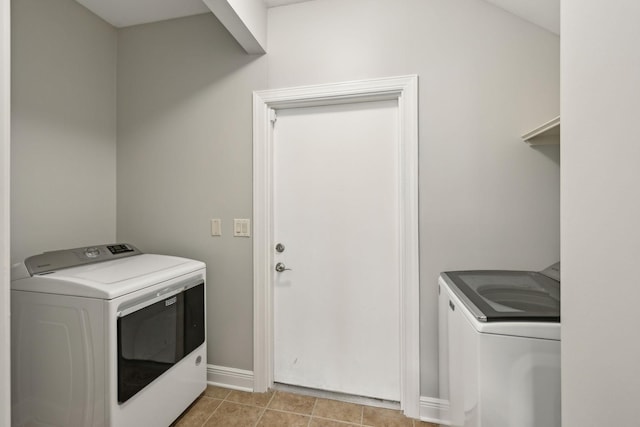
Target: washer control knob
{"type": "Point", "coordinates": [92, 252]}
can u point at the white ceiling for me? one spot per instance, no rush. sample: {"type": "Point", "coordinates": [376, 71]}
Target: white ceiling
{"type": "Point", "coordinates": [122, 13]}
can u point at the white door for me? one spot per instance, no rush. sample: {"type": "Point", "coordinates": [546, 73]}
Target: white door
{"type": "Point", "coordinates": [336, 311]}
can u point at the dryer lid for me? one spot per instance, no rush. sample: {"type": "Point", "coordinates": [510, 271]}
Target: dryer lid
{"type": "Point", "coordinates": [110, 279]}
{"type": "Point", "coordinates": [118, 271]}
{"type": "Point", "coordinates": [553, 271]}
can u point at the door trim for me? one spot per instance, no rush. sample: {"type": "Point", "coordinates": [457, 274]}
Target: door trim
{"type": "Point", "coordinates": [404, 89]}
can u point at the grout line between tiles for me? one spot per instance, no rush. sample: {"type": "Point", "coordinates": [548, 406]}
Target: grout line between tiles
{"type": "Point", "coordinates": [213, 412]}
{"type": "Point", "coordinates": [264, 410]}
{"type": "Point", "coordinates": [315, 403]}
{"type": "Point", "coordinates": [347, 423]}
{"type": "Point", "coordinates": [260, 417]}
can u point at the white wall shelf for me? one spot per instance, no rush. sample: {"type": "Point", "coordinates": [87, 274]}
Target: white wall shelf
{"type": "Point", "coordinates": [547, 133]}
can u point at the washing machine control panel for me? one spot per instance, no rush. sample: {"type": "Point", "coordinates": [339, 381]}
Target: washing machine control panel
{"type": "Point", "coordinates": [48, 262]}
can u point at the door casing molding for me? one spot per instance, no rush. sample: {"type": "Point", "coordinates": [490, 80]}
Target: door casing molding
{"type": "Point", "coordinates": [404, 89]}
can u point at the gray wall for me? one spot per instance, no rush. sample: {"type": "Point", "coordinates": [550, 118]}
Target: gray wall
{"type": "Point", "coordinates": [184, 157]}
{"type": "Point", "coordinates": [63, 182]}
{"type": "Point", "coordinates": [487, 200]}
{"type": "Point", "coordinates": [600, 213]}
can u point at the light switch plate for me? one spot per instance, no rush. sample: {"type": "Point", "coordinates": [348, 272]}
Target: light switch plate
{"type": "Point", "coordinates": [241, 227]}
{"type": "Point", "coordinates": [216, 227]}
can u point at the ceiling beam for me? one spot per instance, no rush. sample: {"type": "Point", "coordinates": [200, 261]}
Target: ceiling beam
{"type": "Point", "coordinates": [246, 20]}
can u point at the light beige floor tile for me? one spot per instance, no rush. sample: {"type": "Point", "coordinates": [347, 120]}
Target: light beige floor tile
{"type": "Point", "coordinates": [198, 412]}
{"type": "Point", "coordinates": [216, 392]}
{"type": "Point", "coordinates": [241, 409]}
{"type": "Point", "coordinates": [323, 422]}
{"type": "Point", "coordinates": [341, 411]}
{"type": "Point", "coordinates": [231, 414]}
{"type": "Point", "coordinates": [292, 403]}
{"type": "Point", "coordinates": [380, 417]}
{"type": "Point", "coordinates": [281, 419]}
{"type": "Point", "coordinates": [253, 399]}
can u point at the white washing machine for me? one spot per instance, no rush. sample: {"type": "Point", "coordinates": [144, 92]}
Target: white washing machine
{"type": "Point", "coordinates": [106, 336]}
{"type": "Point", "coordinates": [500, 347]}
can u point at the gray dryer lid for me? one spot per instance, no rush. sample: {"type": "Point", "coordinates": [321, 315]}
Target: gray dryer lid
{"type": "Point", "coordinates": [504, 295]}
{"type": "Point", "coordinates": [552, 272]}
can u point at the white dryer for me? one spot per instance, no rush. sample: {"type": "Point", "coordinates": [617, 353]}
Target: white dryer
{"type": "Point", "coordinates": [106, 336]}
{"type": "Point", "coordinates": [500, 347]}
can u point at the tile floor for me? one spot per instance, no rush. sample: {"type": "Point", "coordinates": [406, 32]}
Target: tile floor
{"type": "Point", "coordinates": [230, 408]}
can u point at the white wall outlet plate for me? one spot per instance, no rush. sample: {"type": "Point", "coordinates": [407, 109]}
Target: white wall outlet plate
{"type": "Point", "coordinates": [216, 227]}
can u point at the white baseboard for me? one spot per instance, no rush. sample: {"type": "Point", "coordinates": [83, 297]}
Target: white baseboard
{"type": "Point", "coordinates": [434, 410]}
{"type": "Point", "coordinates": [236, 379]}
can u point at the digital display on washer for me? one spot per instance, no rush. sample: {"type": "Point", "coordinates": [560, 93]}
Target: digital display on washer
{"type": "Point", "coordinates": [509, 295]}
{"type": "Point", "coordinates": [119, 249]}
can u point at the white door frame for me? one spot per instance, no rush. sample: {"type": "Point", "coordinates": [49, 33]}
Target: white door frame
{"type": "Point", "coordinates": [403, 89]}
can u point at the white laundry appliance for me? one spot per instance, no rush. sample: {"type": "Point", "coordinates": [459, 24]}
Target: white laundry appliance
{"type": "Point", "coordinates": [500, 347]}
{"type": "Point", "coordinates": [106, 336]}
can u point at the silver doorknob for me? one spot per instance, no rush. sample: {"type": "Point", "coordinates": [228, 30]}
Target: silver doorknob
{"type": "Point", "coordinates": [280, 267]}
